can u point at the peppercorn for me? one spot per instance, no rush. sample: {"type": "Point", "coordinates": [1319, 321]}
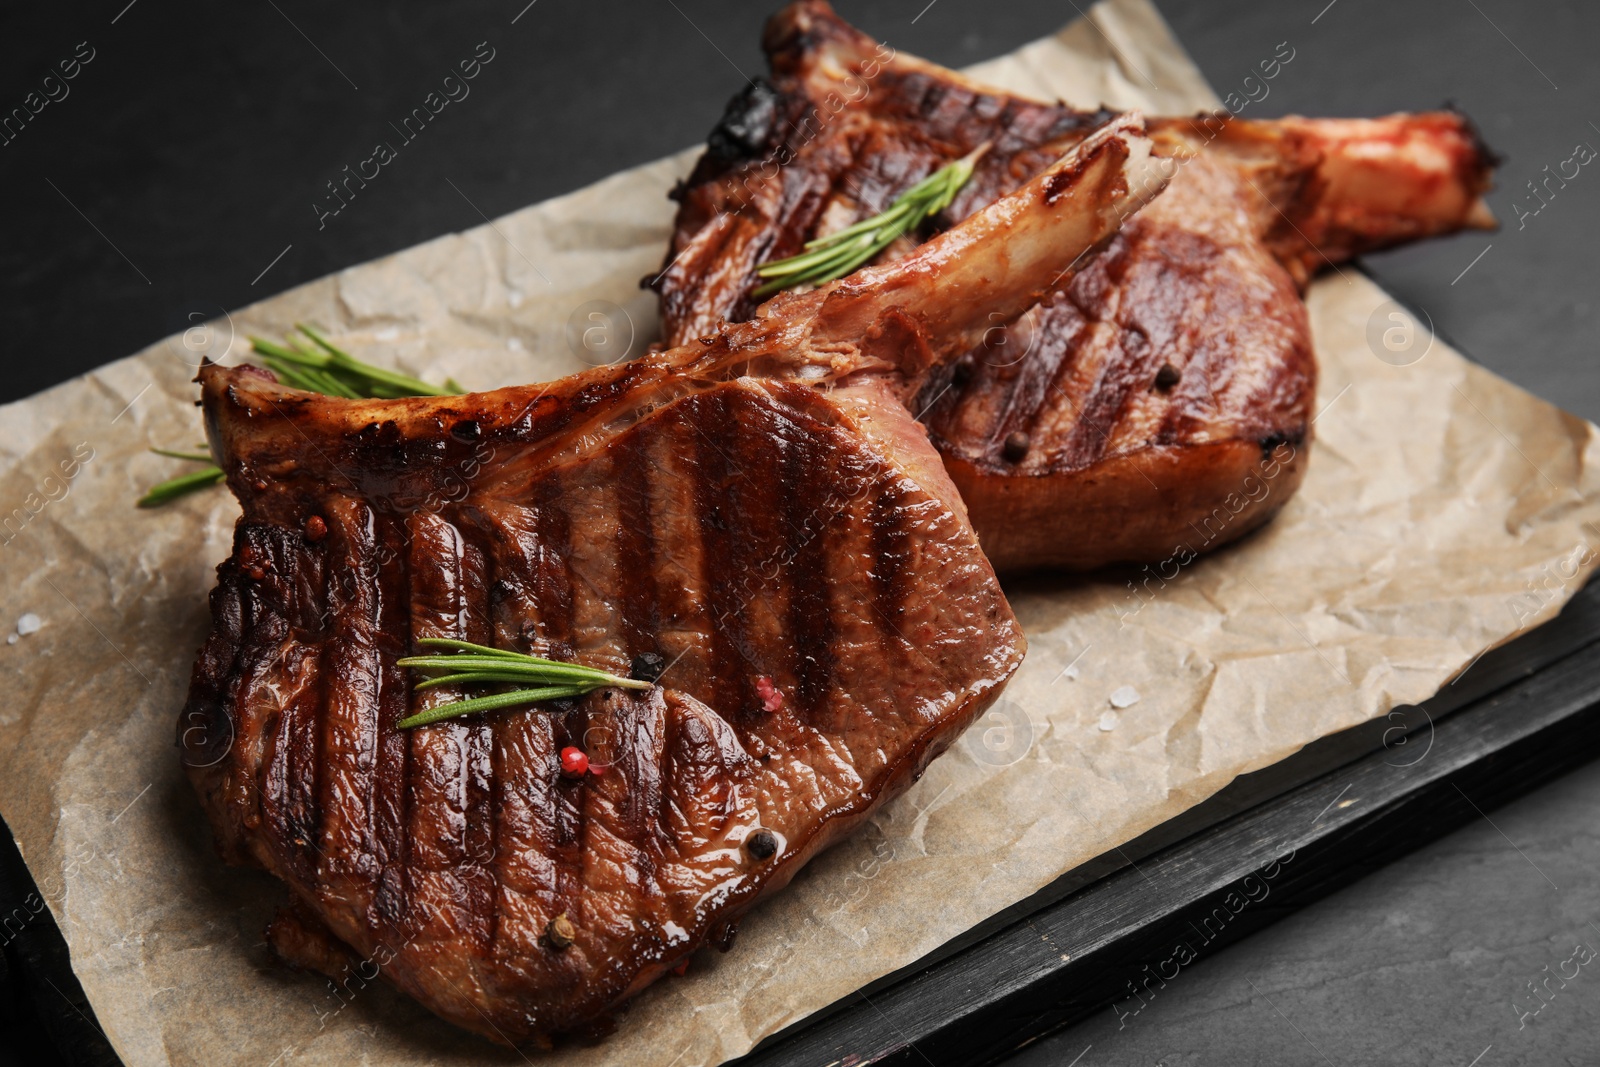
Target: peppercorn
{"type": "Point", "coordinates": [1017, 445]}
{"type": "Point", "coordinates": [647, 667]}
{"type": "Point", "coordinates": [1167, 377]}
{"type": "Point", "coordinates": [560, 933]}
{"type": "Point", "coordinates": [771, 695]}
{"type": "Point", "coordinates": [761, 844]}
{"type": "Point", "coordinates": [574, 762]}
{"type": "Point", "coordinates": [316, 528]}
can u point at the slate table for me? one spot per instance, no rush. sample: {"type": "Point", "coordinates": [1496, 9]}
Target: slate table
{"type": "Point", "coordinates": [177, 177]}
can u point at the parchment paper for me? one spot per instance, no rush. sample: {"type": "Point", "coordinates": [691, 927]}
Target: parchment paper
{"type": "Point", "coordinates": [1445, 511]}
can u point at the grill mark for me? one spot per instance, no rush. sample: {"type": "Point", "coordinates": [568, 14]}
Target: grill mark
{"type": "Point", "coordinates": [1064, 353]}
{"type": "Point", "coordinates": [891, 556]}
{"type": "Point", "coordinates": [759, 435]}
{"type": "Point", "coordinates": [317, 723]}
{"type": "Point", "coordinates": [300, 732]}
{"type": "Point", "coordinates": [682, 596]}
{"type": "Point", "coordinates": [438, 783]}
{"type": "Point", "coordinates": [801, 199]}
{"type": "Point", "coordinates": [306, 591]}
{"type": "Point", "coordinates": [274, 662]}
{"type": "Point", "coordinates": [569, 818]}
{"type": "Point", "coordinates": [811, 502]}
{"type": "Point", "coordinates": [392, 795]}
{"type": "Point", "coordinates": [449, 784]}
{"type": "Point", "coordinates": [509, 534]}
{"type": "Point", "coordinates": [527, 821]}
{"type": "Point", "coordinates": [478, 780]}
{"type": "Point", "coordinates": [304, 727]}
{"type": "Point", "coordinates": [1097, 292]}
{"type": "Point", "coordinates": [635, 547]}
{"type": "Point", "coordinates": [975, 418]}
{"type": "Point", "coordinates": [1090, 438]}
{"type": "Point", "coordinates": [525, 852]}
{"type": "Point", "coordinates": [353, 681]}
{"type": "Point", "coordinates": [1037, 383]}
{"type": "Point", "coordinates": [715, 502]}
{"type": "Point", "coordinates": [736, 506]}
{"type": "Point", "coordinates": [633, 722]}
{"type": "Point", "coordinates": [839, 191]}
{"type": "Point", "coordinates": [507, 731]}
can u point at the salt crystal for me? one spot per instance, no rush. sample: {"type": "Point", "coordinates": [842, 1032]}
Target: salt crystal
{"type": "Point", "coordinates": [11, 639]}
{"type": "Point", "coordinates": [1125, 697]}
{"type": "Point", "coordinates": [515, 344]}
{"type": "Point", "coordinates": [1071, 673]}
{"type": "Point", "coordinates": [29, 624]}
{"type": "Point", "coordinates": [1109, 721]}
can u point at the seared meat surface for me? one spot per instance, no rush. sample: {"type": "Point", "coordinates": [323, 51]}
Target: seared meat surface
{"type": "Point", "coordinates": [757, 510]}
{"type": "Point", "coordinates": [1172, 377]}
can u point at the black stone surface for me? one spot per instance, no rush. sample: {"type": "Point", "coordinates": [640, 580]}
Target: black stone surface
{"type": "Point", "coordinates": [188, 152]}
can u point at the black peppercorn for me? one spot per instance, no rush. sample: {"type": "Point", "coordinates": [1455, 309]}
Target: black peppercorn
{"type": "Point", "coordinates": [647, 667]}
{"type": "Point", "coordinates": [761, 844]}
{"type": "Point", "coordinates": [1016, 446]}
{"type": "Point", "coordinates": [1167, 377]}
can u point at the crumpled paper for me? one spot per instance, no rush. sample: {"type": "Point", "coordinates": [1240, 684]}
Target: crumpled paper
{"type": "Point", "coordinates": [1445, 511]}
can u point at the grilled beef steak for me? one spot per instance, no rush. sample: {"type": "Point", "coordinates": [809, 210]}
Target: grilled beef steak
{"type": "Point", "coordinates": [756, 512]}
{"type": "Point", "coordinates": [1161, 398]}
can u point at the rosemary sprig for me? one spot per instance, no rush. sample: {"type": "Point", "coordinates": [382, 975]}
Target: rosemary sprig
{"type": "Point", "coordinates": [324, 368]}
{"type": "Point", "coordinates": [197, 455]}
{"type": "Point", "coordinates": [318, 366]}
{"type": "Point", "coordinates": [840, 253]}
{"type": "Point", "coordinates": [538, 679]}
{"type": "Point", "coordinates": [183, 484]}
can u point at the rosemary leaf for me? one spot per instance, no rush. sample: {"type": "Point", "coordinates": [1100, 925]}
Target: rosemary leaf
{"type": "Point", "coordinates": [456, 664]}
{"type": "Point", "coordinates": [182, 485]}
{"type": "Point", "coordinates": [469, 664]}
{"type": "Point", "coordinates": [469, 678]}
{"type": "Point", "coordinates": [530, 669]}
{"type": "Point", "coordinates": [377, 375]}
{"type": "Point", "coordinates": [490, 703]}
{"type": "Point", "coordinates": [467, 646]}
{"type": "Point", "coordinates": [839, 254]}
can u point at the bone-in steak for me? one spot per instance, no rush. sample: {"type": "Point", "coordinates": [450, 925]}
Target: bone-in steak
{"type": "Point", "coordinates": [1172, 377]}
{"type": "Point", "coordinates": [757, 511]}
